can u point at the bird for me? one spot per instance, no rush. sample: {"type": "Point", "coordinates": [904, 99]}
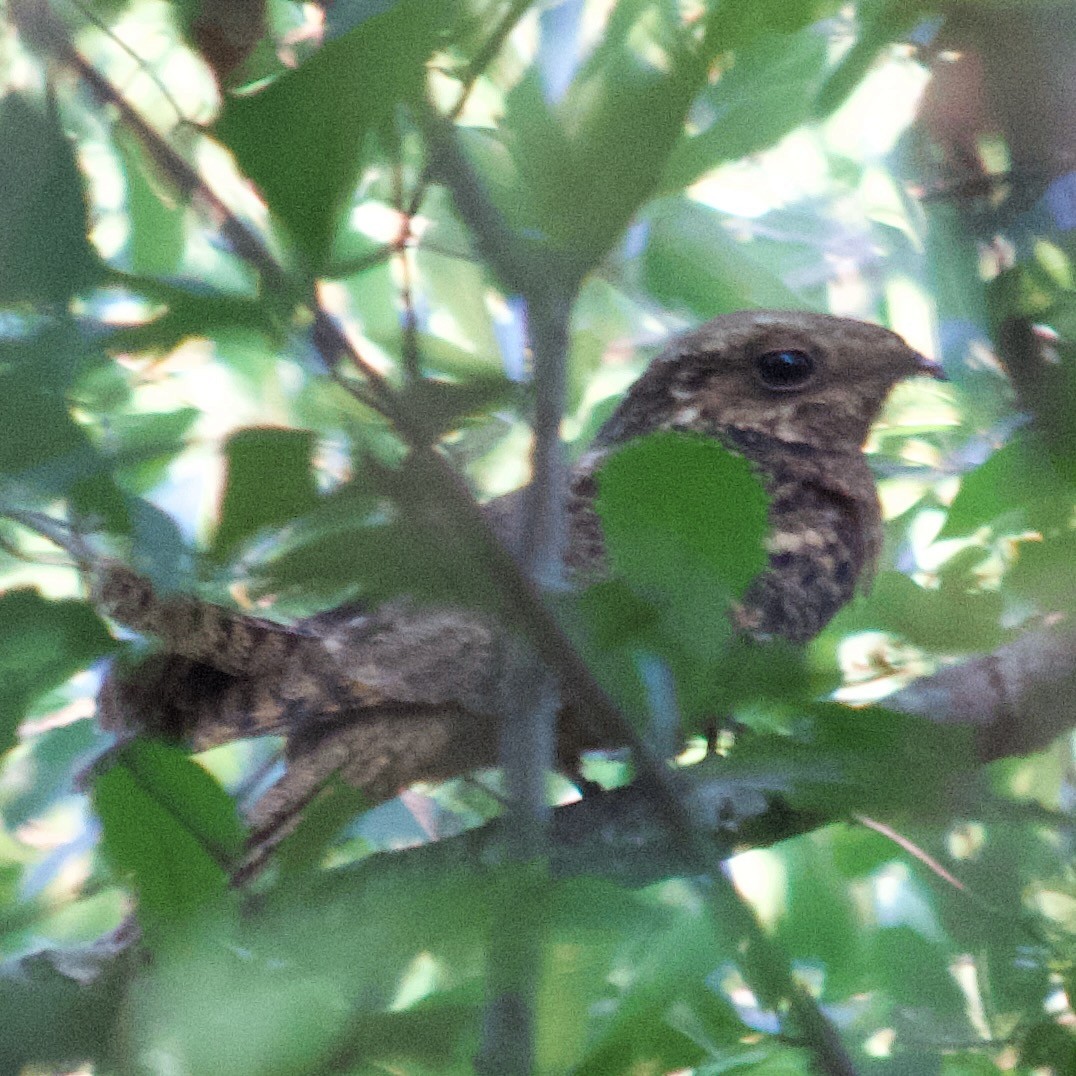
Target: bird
{"type": "Point", "coordinates": [793, 392]}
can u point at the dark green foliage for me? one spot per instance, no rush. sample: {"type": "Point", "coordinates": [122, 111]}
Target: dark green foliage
{"type": "Point", "coordinates": [45, 256]}
{"type": "Point", "coordinates": [270, 481]}
{"type": "Point", "coordinates": [172, 829]}
{"type": "Point", "coordinates": [42, 644]}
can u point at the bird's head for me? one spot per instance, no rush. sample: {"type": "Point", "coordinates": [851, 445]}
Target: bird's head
{"type": "Point", "coordinates": [803, 378]}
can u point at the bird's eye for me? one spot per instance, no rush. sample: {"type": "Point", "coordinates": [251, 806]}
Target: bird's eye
{"type": "Point", "coordinates": [784, 369]}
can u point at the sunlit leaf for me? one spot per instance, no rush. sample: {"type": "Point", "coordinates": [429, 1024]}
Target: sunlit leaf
{"type": "Point", "coordinates": [270, 481]}
{"type": "Point", "coordinates": [301, 138]}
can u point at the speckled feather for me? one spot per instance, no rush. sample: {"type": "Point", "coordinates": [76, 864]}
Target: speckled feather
{"type": "Point", "coordinates": [227, 674]}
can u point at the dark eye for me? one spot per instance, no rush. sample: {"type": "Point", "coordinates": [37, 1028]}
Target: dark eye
{"type": "Point", "coordinates": [787, 368]}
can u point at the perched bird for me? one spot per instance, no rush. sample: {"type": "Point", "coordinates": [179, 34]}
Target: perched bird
{"type": "Point", "coordinates": [795, 393]}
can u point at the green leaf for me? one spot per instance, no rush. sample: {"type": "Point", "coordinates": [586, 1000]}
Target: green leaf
{"type": "Point", "coordinates": [45, 256]}
{"type": "Point", "coordinates": [693, 261]}
{"type": "Point", "coordinates": [1018, 477]}
{"type": "Point", "coordinates": [172, 828]}
{"type": "Point", "coordinates": [950, 619]}
{"type": "Point", "coordinates": [765, 94]}
{"type": "Point", "coordinates": [301, 139]}
{"type": "Point", "coordinates": [158, 551]}
{"type": "Point", "coordinates": [270, 482]}
{"type": "Point", "coordinates": [157, 235]}
{"type": "Point", "coordinates": [914, 971]}
{"type": "Point", "coordinates": [1049, 1045]}
{"type": "Point", "coordinates": [52, 757]}
{"type": "Point", "coordinates": [60, 1009]}
{"type": "Point", "coordinates": [883, 21]}
{"type": "Point", "coordinates": [42, 644]}
{"type": "Point", "coordinates": [385, 535]}
{"type": "Point", "coordinates": [142, 445]}
{"type": "Point", "coordinates": [587, 164]}
{"type": "Point", "coordinates": [674, 506]}
{"type": "Point", "coordinates": [683, 520]}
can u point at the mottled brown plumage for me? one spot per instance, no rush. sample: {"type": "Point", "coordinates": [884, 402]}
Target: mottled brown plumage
{"type": "Point", "coordinates": [804, 435]}
{"type": "Point", "coordinates": [409, 692]}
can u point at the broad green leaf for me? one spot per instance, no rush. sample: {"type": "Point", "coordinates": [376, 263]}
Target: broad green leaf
{"type": "Point", "coordinates": [914, 971]}
{"type": "Point", "coordinates": [765, 94]}
{"type": "Point", "coordinates": [819, 926]}
{"type": "Point", "coordinates": [44, 453]}
{"type": "Point", "coordinates": [840, 761]}
{"type": "Point", "coordinates": [142, 445]}
{"type": "Point", "coordinates": [158, 551]}
{"type": "Point", "coordinates": [270, 482]}
{"type": "Point", "coordinates": [384, 535]}
{"type": "Point", "coordinates": [683, 520]}
{"type": "Point", "coordinates": [188, 314]}
{"type": "Point", "coordinates": [1050, 1045]}
{"type": "Point", "coordinates": [674, 506]}
{"type": "Point", "coordinates": [301, 139]}
{"type": "Point", "coordinates": [171, 828]}
{"type": "Point", "coordinates": [693, 261]}
{"type": "Point", "coordinates": [52, 757]}
{"type": "Point", "coordinates": [1018, 477]}
{"type": "Point", "coordinates": [588, 163]}
{"type": "Point", "coordinates": [157, 236]}
{"type": "Point", "coordinates": [45, 256]}
{"type": "Point", "coordinates": [42, 644]}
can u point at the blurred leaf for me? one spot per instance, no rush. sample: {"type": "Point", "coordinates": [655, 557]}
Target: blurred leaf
{"type": "Point", "coordinates": [45, 256]}
{"type": "Point", "coordinates": [158, 551]}
{"type": "Point", "coordinates": [915, 973]}
{"type": "Point", "coordinates": [443, 406]}
{"type": "Point", "coordinates": [335, 804]}
{"type": "Point", "coordinates": [641, 1028]}
{"type": "Point", "coordinates": [692, 260]}
{"type": "Point", "coordinates": [1018, 476]}
{"type": "Point", "coordinates": [54, 755]}
{"type": "Point", "coordinates": [44, 453]}
{"type": "Point", "coordinates": [967, 1064]}
{"type": "Point", "coordinates": [956, 617]}
{"type": "Point", "coordinates": [187, 314]}
{"type": "Point", "coordinates": [681, 554]}
{"type": "Point", "coordinates": [60, 1009]}
{"type": "Point", "coordinates": [383, 535]}
{"type": "Point", "coordinates": [820, 925]}
{"type": "Point", "coordinates": [584, 165]}
{"type": "Point", "coordinates": [882, 21]}
{"type": "Point", "coordinates": [170, 826]}
{"type": "Point", "coordinates": [42, 644]}
{"type": "Point", "coordinates": [840, 761]}
{"type": "Point", "coordinates": [270, 482]}
{"type": "Point", "coordinates": [1042, 572]}
{"type": "Point", "coordinates": [142, 445]}
{"type": "Point", "coordinates": [1050, 1045]}
{"type": "Point", "coordinates": [765, 94]}
{"type": "Point", "coordinates": [301, 138]}
{"type": "Point", "coordinates": [157, 238]}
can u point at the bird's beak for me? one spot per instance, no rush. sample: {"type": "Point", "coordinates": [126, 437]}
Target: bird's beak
{"type": "Point", "coordinates": [930, 366]}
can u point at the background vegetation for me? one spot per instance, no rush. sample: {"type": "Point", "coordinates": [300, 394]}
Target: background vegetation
{"type": "Point", "coordinates": [255, 259]}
